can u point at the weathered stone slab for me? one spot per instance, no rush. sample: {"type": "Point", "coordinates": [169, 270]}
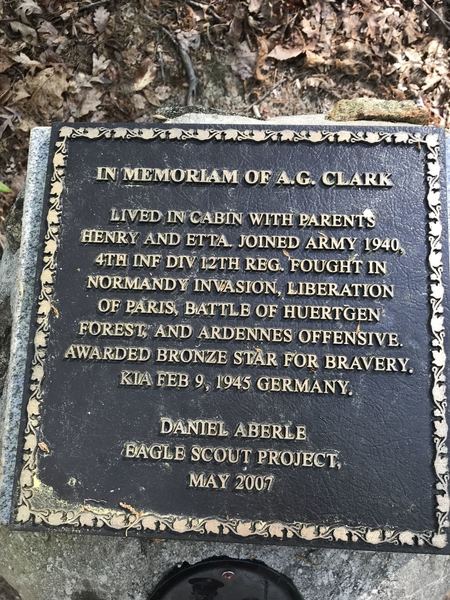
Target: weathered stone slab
{"type": "Point", "coordinates": [16, 282]}
{"type": "Point", "coordinates": [55, 566]}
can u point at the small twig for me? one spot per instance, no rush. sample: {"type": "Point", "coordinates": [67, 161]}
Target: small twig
{"type": "Point", "coordinates": [188, 68]}
{"type": "Point", "coordinates": [206, 8]}
{"type": "Point", "coordinates": [445, 23]}
{"type": "Point", "coordinates": [81, 9]}
{"type": "Point", "coordinates": [160, 58]}
{"type": "Point", "coordinates": [267, 94]}
{"type": "Point", "coordinates": [92, 5]}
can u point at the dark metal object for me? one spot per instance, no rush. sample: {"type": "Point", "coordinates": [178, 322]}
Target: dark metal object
{"type": "Point", "coordinates": [388, 431]}
{"type": "Point", "coordinates": [225, 579]}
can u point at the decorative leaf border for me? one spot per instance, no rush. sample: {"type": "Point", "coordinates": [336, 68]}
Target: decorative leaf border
{"type": "Point", "coordinates": [127, 518]}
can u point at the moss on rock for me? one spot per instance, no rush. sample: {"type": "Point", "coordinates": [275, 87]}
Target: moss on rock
{"type": "Point", "coordinates": [372, 109]}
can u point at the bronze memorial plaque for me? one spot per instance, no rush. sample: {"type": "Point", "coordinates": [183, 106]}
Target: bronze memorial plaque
{"type": "Point", "coordinates": [238, 334]}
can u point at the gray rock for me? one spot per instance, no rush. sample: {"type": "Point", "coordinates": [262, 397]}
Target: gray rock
{"type": "Point", "coordinates": [58, 566]}
{"type": "Point", "coordinates": [298, 120]}
{"type": "Point", "coordinates": [13, 224]}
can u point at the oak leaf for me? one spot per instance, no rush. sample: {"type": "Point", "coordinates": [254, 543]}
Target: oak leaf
{"type": "Point", "coordinates": [90, 102]}
{"type": "Point", "coordinates": [99, 64]}
{"type": "Point", "coordinates": [101, 18]}
{"type": "Point", "coordinates": [24, 60]}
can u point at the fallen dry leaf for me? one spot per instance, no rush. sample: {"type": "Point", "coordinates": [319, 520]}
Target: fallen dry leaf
{"type": "Point", "coordinates": [46, 89]}
{"type": "Point", "coordinates": [28, 33]}
{"type": "Point", "coordinates": [5, 61]}
{"type": "Point", "coordinates": [20, 93]}
{"type": "Point", "coordinates": [5, 89]}
{"type": "Point", "coordinates": [50, 33]}
{"type": "Point", "coordinates": [24, 60]}
{"type": "Point", "coordinates": [281, 53]}
{"type": "Point", "coordinates": [145, 75]}
{"type": "Point", "coordinates": [189, 40]}
{"type": "Point", "coordinates": [254, 6]}
{"type": "Point", "coordinates": [245, 62]}
{"type": "Point", "coordinates": [101, 18]}
{"type": "Point", "coordinates": [314, 60]}
{"type": "Point", "coordinates": [90, 102]}
{"type": "Point", "coordinates": [99, 64]}
{"type": "Point", "coordinates": [27, 8]}
{"type": "Point", "coordinates": [260, 66]}
{"type": "Point", "coordinates": [138, 102]}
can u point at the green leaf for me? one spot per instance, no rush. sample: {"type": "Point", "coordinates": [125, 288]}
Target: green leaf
{"type": "Point", "coordinates": [4, 187]}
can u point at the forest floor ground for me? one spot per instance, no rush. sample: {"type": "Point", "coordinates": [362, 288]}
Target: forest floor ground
{"type": "Point", "coordinates": [139, 61]}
